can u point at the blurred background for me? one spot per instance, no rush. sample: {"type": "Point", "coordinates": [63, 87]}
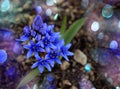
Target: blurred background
{"type": "Point", "coordinates": [96, 47]}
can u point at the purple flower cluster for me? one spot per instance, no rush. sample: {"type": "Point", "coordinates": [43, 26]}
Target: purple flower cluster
{"type": "Point", "coordinates": [9, 47]}
{"type": "Point", "coordinates": [46, 44]}
{"type": "Point", "coordinates": [11, 73]}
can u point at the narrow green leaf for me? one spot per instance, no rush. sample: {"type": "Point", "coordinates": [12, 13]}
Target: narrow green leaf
{"type": "Point", "coordinates": [28, 77]}
{"type": "Point", "coordinates": [63, 27]}
{"type": "Point", "coordinates": [73, 29]}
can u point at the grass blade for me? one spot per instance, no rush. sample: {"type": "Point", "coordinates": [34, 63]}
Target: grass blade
{"type": "Point", "coordinates": [63, 27]}
{"type": "Point", "coordinates": [73, 29]}
{"type": "Point", "coordinates": [28, 77]}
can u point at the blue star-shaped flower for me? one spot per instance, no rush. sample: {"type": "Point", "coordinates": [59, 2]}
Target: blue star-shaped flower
{"type": "Point", "coordinates": [64, 51]}
{"type": "Point", "coordinates": [57, 42]}
{"type": "Point", "coordinates": [43, 29]}
{"type": "Point", "coordinates": [34, 48]}
{"type": "Point", "coordinates": [49, 30]}
{"type": "Point", "coordinates": [26, 33]}
{"type": "Point", "coordinates": [47, 41]}
{"type": "Point", "coordinates": [41, 63]}
{"type": "Point", "coordinates": [54, 55]}
{"type": "Point", "coordinates": [51, 33]}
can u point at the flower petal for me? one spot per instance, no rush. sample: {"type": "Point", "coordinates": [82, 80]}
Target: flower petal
{"type": "Point", "coordinates": [31, 42]}
{"type": "Point", "coordinates": [26, 29]}
{"type": "Point", "coordinates": [24, 38]}
{"type": "Point", "coordinates": [38, 37]}
{"type": "Point", "coordinates": [41, 50]}
{"type": "Point", "coordinates": [47, 49]}
{"type": "Point", "coordinates": [58, 61]}
{"type": "Point", "coordinates": [58, 34]}
{"type": "Point", "coordinates": [51, 62]}
{"type": "Point", "coordinates": [68, 46]}
{"type": "Point", "coordinates": [47, 66]}
{"type": "Point", "coordinates": [62, 42]}
{"type": "Point", "coordinates": [41, 68]}
{"type": "Point", "coordinates": [29, 54]}
{"type": "Point", "coordinates": [53, 46]}
{"type": "Point", "coordinates": [36, 55]}
{"type": "Point", "coordinates": [35, 65]}
{"type": "Point", "coordinates": [40, 43]}
{"type": "Point", "coordinates": [66, 57]}
{"type": "Point", "coordinates": [70, 53]}
{"type": "Point", "coordinates": [33, 33]}
{"type": "Point", "coordinates": [26, 46]}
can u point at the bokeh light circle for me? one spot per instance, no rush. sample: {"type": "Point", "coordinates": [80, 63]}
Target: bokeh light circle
{"type": "Point", "coordinates": [107, 11]}
{"type": "Point", "coordinates": [88, 67]}
{"type": "Point", "coordinates": [95, 26]}
{"type": "Point", "coordinates": [113, 44]}
{"type": "Point", "coordinates": [49, 2]}
{"type": "Point", "coordinates": [5, 6]}
{"type": "Point", "coordinates": [117, 87]}
{"type": "Point", "coordinates": [38, 9]}
{"type": "Point", "coordinates": [48, 12]}
{"type": "Point", "coordinates": [3, 56]}
{"type": "Point", "coordinates": [118, 24]}
{"type": "Point", "coordinates": [100, 35]}
{"type": "Point", "coordinates": [85, 3]}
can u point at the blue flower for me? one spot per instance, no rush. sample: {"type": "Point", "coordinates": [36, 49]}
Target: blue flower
{"type": "Point", "coordinates": [33, 33]}
{"type": "Point", "coordinates": [58, 42]}
{"type": "Point", "coordinates": [54, 55]}
{"type": "Point", "coordinates": [34, 48]}
{"type": "Point", "coordinates": [46, 44]}
{"type": "Point", "coordinates": [41, 63]}
{"type": "Point", "coordinates": [64, 51]}
{"type": "Point", "coordinates": [38, 37]}
{"type": "Point", "coordinates": [26, 33]}
{"type": "Point", "coordinates": [47, 41]}
{"type": "Point", "coordinates": [37, 23]}
{"type": "Point", "coordinates": [49, 30]}
{"type": "Point", "coordinates": [51, 33]}
{"type": "Point", "coordinates": [43, 29]}
{"type": "Point", "coordinates": [3, 56]}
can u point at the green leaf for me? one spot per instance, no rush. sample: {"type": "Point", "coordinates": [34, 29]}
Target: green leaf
{"type": "Point", "coordinates": [63, 27]}
{"type": "Point", "coordinates": [73, 29]}
{"type": "Point", "coordinates": [28, 77]}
